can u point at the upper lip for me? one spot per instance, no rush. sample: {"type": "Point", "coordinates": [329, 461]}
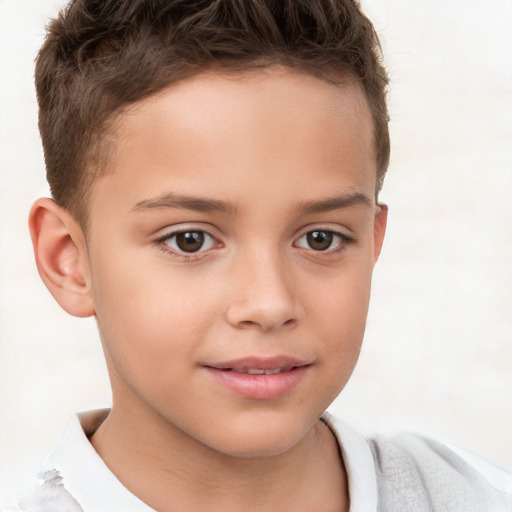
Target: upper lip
{"type": "Point", "coordinates": [259, 363]}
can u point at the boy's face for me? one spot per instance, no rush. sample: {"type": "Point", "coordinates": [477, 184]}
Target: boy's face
{"type": "Point", "coordinates": [236, 233]}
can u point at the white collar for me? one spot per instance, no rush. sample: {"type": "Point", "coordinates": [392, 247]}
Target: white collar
{"type": "Point", "coordinates": [85, 476]}
{"type": "Point", "coordinates": [359, 464]}
{"type": "Point", "coordinates": [88, 479]}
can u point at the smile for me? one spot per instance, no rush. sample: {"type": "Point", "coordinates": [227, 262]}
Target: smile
{"type": "Point", "coordinates": [259, 378]}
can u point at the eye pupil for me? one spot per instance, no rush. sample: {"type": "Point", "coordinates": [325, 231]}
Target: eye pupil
{"type": "Point", "coordinates": [190, 241]}
{"type": "Point", "coordinates": [319, 240]}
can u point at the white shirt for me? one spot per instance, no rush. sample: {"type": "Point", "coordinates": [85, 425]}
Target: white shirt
{"type": "Point", "coordinates": [74, 478]}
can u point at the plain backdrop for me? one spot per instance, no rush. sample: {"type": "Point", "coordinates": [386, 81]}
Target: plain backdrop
{"type": "Point", "coordinates": [438, 350]}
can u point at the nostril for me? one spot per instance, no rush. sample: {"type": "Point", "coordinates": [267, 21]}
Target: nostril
{"type": "Point", "coordinates": [279, 325]}
{"type": "Point", "coordinates": [247, 323]}
{"type": "Point", "coordinates": [270, 326]}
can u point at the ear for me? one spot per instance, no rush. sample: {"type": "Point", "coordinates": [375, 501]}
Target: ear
{"type": "Point", "coordinates": [61, 256]}
{"type": "Point", "coordinates": [379, 230]}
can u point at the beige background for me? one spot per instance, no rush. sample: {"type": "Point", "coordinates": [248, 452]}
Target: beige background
{"type": "Point", "coordinates": [438, 349]}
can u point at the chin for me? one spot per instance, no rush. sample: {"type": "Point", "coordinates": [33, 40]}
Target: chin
{"type": "Point", "coordinates": [256, 448]}
{"type": "Point", "coordinates": [263, 438]}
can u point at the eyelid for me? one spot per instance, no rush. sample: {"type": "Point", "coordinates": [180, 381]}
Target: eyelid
{"type": "Point", "coordinates": [332, 228]}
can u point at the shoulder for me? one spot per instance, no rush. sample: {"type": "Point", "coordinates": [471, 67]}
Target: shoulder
{"type": "Point", "coordinates": [47, 494]}
{"type": "Point", "coordinates": [414, 470]}
{"type": "Point", "coordinates": [73, 477]}
{"type": "Point", "coordinates": [413, 473]}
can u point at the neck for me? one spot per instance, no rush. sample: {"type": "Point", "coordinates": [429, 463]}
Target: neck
{"type": "Point", "coordinates": [169, 470]}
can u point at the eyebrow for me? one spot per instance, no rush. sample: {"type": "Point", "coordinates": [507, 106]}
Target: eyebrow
{"type": "Point", "coordinates": [186, 202]}
{"type": "Point", "coordinates": [335, 203]}
{"type": "Point", "coordinates": [200, 204]}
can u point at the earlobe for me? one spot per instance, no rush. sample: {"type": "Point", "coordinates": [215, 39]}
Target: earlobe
{"type": "Point", "coordinates": [61, 256]}
{"type": "Point", "coordinates": [381, 219]}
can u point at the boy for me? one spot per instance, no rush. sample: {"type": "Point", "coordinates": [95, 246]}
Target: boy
{"type": "Point", "coordinates": [216, 168]}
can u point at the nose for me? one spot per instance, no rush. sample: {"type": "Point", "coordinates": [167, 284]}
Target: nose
{"type": "Point", "coordinates": [262, 294]}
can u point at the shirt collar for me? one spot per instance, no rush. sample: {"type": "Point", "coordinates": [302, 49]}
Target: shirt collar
{"type": "Point", "coordinates": [85, 476]}
{"type": "Point", "coordinates": [88, 479]}
{"type": "Point", "coordinates": [359, 464]}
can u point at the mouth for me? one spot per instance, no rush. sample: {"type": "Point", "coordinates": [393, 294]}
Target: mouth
{"type": "Point", "coordinates": [259, 371]}
{"type": "Point", "coordinates": [260, 365]}
{"type": "Point", "coordinates": [260, 378]}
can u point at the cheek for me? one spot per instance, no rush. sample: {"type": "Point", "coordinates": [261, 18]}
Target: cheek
{"type": "Point", "coordinates": [341, 311]}
{"type": "Point", "coordinates": [337, 324]}
{"type": "Point", "coordinates": [345, 295]}
{"type": "Point", "coordinates": [145, 318]}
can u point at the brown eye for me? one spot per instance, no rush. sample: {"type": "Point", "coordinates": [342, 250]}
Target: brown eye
{"type": "Point", "coordinates": [188, 241]}
{"type": "Point", "coordinates": [325, 240]}
{"type": "Point", "coordinates": [320, 240]}
{"type": "Point", "coordinates": [193, 241]}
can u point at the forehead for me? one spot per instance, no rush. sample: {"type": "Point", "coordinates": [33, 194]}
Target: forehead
{"type": "Point", "coordinates": [252, 100]}
{"type": "Point", "coordinates": [224, 133]}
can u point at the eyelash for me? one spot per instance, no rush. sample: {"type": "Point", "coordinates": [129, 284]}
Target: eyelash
{"type": "Point", "coordinates": [162, 243]}
{"type": "Point", "coordinates": [343, 242]}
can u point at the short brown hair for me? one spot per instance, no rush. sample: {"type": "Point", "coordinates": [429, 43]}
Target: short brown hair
{"type": "Point", "coordinates": [102, 55]}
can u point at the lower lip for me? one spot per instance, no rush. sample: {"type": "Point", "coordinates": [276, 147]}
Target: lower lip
{"type": "Point", "coordinates": [260, 387]}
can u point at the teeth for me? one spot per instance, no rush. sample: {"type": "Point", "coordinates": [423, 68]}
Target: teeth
{"type": "Point", "coordinates": [273, 372]}
{"type": "Point", "coordinates": [255, 371]}
{"type": "Point", "coordinates": [260, 371]}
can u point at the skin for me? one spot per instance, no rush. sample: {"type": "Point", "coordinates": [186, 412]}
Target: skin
{"type": "Point", "coordinates": [273, 155]}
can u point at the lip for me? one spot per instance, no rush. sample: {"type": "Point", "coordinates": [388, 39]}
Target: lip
{"type": "Point", "coordinates": [259, 378]}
